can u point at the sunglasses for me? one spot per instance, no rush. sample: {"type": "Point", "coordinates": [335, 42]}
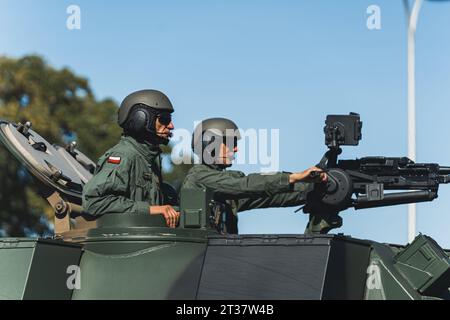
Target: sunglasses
{"type": "Point", "coordinates": [228, 141]}
{"type": "Point", "coordinates": [165, 118]}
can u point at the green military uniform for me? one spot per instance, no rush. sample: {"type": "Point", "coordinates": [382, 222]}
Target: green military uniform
{"type": "Point", "coordinates": [235, 192]}
{"type": "Point", "coordinates": [127, 179]}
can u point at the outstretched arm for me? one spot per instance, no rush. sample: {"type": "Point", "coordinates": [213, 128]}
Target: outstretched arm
{"type": "Point", "coordinates": [285, 199]}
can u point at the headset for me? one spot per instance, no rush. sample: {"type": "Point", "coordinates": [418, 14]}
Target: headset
{"type": "Point", "coordinates": [141, 119]}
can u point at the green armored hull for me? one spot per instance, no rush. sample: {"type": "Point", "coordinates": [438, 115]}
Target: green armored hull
{"type": "Point", "coordinates": [125, 256]}
{"type": "Point", "coordinates": [151, 262]}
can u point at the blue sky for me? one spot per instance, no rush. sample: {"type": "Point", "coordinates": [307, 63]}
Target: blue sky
{"type": "Point", "coordinates": [265, 64]}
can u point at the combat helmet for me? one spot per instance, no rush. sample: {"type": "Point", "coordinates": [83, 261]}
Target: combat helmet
{"type": "Point", "coordinates": [213, 130]}
{"type": "Point", "coordinates": [139, 110]}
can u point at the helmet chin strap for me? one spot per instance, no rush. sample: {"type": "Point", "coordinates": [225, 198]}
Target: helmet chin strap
{"type": "Point", "coordinates": [150, 137]}
{"type": "Point", "coordinates": [155, 139]}
{"type": "Point", "coordinates": [163, 140]}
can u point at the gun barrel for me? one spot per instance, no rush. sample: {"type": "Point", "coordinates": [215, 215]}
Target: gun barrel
{"type": "Point", "coordinates": [444, 170]}
{"type": "Point", "coordinates": [390, 199]}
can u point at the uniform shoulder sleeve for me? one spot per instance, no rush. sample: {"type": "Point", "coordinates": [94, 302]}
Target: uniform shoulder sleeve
{"type": "Point", "coordinates": [109, 189]}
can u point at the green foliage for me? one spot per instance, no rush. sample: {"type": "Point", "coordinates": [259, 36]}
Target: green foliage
{"type": "Point", "coordinates": [58, 103]}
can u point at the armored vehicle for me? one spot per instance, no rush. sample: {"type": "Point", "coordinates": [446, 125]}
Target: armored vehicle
{"type": "Point", "coordinates": [127, 256]}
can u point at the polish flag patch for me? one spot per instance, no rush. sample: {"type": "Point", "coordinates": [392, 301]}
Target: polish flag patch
{"type": "Point", "coordinates": [115, 160]}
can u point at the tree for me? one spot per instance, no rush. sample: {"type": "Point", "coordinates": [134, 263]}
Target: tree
{"type": "Point", "coordinates": [61, 107]}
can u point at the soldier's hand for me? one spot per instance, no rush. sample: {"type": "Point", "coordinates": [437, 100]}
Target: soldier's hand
{"type": "Point", "coordinates": [312, 175]}
{"type": "Point", "coordinates": [169, 213]}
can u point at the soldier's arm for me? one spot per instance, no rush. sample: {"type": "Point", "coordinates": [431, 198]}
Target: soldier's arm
{"type": "Point", "coordinates": [107, 191]}
{"type": "Point", "coordinates": [236, 185]}
{"type": "Point", "coordinates": [285, 199]}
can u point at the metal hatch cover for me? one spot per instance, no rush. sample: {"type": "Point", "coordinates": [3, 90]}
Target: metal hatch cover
{"type": "Point", "coordinates": [41, 158]}
{"type": "Point", "coordinates": [79, 162]}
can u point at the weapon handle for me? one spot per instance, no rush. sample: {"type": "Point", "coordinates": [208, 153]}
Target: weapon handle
{"type": "Point", "coordinates": [315, 174]}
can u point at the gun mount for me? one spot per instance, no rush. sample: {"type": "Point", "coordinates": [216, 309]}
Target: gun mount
{"type": "Point", "coordinates": [361, 183]}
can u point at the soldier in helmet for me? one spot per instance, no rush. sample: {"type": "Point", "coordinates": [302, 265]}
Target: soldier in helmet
{"type": "Point", "coordinates": [128, 176]}
{"type": "Point", "coordinates": [215, 142]}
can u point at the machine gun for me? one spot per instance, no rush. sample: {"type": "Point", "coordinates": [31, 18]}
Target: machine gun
{"type": "Point", "coordinates": [361, 183]}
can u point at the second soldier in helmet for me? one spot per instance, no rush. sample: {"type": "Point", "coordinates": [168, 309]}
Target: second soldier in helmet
{"type": "Point", "coordinates": [128, 176]}
{"type": "Point", "coordinates": [215, 143]}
